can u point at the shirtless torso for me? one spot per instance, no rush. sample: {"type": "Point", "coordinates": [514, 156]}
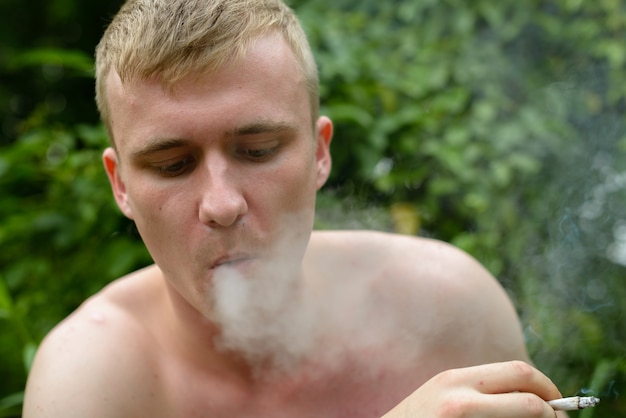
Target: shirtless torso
{"type": "Point", "coordinates": [136, 350]}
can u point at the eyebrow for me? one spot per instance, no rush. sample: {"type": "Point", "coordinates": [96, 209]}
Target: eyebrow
{"type": "Point", "coordinates": [260, 127]}
{"type": "Point", "coordinates": [255, 128]}
{"type": "Point", "coordinates": [158, 145]}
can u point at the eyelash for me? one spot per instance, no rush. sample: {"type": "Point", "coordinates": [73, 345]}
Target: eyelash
{"type": "Point", "coordinates": [177, 168]}
{"type": "Point", "coordinates": [257, 155]}
{"type": "Point", "coordinates": [184, 165]}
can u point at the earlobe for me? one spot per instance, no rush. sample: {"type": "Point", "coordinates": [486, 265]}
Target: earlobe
{"type": "Point", "coordinates": [322, 156]}
{"type": "Point", "coordinates": [112, 168]}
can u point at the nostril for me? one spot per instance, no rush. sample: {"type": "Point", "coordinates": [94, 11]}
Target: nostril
{"type": "Point", "coordinates": [223, 209]}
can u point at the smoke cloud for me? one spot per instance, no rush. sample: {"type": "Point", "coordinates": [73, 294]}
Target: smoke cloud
{"type": "Point", "coordinates": [280, 319]}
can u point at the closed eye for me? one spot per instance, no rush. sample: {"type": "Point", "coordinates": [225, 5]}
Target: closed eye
{"type": "Point", "coordinates": [175, 167]}
{"type": "Point", "coordinates": [257, 154]}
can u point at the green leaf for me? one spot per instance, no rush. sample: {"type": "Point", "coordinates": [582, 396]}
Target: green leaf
{"type": "Point", "coordinates": [72, 59]}
{"type": "Point", "coordinates": [6, 303]}
{"type": "Point", "coordinates": [11, 404]}
{"type": "Point", "coordinates": [30, 349]}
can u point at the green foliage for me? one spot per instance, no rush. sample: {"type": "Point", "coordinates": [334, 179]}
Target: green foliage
{"type": "Point", "coordinates": [497, 126]}
{"type": "Point", "coordinates": [502, 125]}
{"type": "Point", "coordinates": [62, 239]}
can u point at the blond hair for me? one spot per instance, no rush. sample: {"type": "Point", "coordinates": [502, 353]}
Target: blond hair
{"type": "Point", "coordinates": [172, 39]}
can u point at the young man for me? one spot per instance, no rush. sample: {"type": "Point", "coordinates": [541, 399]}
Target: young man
{"type": "Point", "coordinates": [217, 154]}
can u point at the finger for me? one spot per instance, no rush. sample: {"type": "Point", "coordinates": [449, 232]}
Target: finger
{"type": "Point", "coordinates": [508, 405]}
{"type": "Point", "coordinates": [518, 405]}
{"type": "Point", "coordinates": [514, 376]}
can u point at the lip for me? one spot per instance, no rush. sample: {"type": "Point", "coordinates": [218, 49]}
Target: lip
{"type": "Point", "coordinates": [231, 260]}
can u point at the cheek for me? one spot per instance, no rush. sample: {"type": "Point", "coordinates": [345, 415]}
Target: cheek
{"type": "Point", "coordinates": [298, 186]}
{"type": "Point", "coordinates": [302, 176]}
{"type": "Point", "coordinates": [299, 196]}
{"type": "Point", "coordinates": [157, 211]}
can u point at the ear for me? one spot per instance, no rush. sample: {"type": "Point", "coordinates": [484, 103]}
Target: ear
{"type": "Point", "coordinates": [112, 167]}
{"type": "Point", "coordinates": [322, 155]}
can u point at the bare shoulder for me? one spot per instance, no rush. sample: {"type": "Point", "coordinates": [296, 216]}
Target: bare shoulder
{"type": "Point", "coordinates": [416, 259]}
{"type": "Point", "coordinates": [440, 292]}
{"type": "Point", "coordinates": [87, 365]}
{"type": "Point", "coordinates": [431, 269]}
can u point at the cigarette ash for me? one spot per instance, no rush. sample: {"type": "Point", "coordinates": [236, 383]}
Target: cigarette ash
{"type": "Point", "coordinates": [574, 403]}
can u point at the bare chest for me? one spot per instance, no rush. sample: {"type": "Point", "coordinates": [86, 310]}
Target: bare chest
{"type": "Point", "coordinates": [333, 394]}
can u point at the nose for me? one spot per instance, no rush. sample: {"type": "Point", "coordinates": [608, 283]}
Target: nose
{"type": "Point", "coordinates": [223, 202]}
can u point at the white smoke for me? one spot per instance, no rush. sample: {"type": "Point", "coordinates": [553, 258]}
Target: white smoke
{"type": "Point", "coordinates": [277, 321]}
{"type": "Point", "coordinates": [265, 318]}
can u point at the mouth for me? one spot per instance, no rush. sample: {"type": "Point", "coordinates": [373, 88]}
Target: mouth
{"type": "Point", "coordinates": [235, 261]}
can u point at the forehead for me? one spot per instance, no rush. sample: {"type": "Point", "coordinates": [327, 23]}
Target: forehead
{"type": "Point", "coordinates": [265, 84]}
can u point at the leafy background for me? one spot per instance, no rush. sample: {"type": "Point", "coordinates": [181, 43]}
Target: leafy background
{"type": "Point", "coordinates": [497, 126]}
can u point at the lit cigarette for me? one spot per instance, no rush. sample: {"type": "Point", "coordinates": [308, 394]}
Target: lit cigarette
{"type": "Point", "coordinates": [574, 403]}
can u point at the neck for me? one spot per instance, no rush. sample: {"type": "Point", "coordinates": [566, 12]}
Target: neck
{"type": "Point", "coordinates": [193, 336]}
{"type": "Point", "coordinates": [261, 327]}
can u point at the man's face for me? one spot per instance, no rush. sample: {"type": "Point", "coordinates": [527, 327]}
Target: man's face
{"type": "Point", "coordinates": [222, 171]}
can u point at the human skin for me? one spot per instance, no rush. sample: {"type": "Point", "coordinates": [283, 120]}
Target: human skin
{"type": "Point", "coordinates": [507, 390]}
{"type": "Point", "coordinates": [222, 204]}
{"type": "Point", "coordinates": [212, 172]}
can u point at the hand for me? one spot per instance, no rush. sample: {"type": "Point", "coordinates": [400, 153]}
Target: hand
{"type": "Point", "coordinates": [499, 390]}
